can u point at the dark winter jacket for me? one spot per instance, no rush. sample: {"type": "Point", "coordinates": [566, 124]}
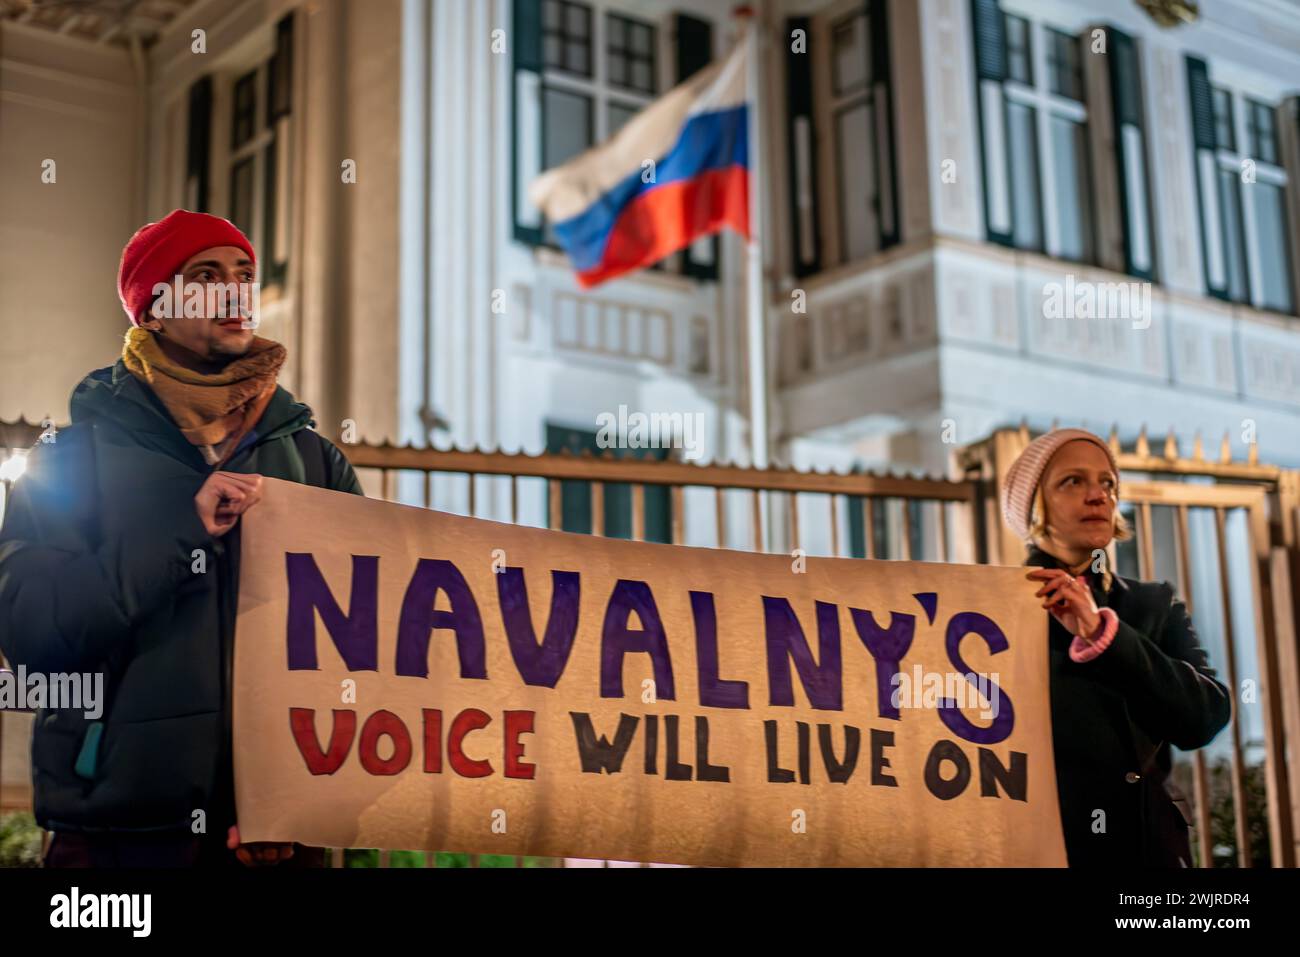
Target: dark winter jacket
{"type": "Point", "coordinates": [105, 566]}
{"type": "Point", "coordinates": [1114, 719]}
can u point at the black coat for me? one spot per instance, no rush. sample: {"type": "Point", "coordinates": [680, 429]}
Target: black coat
{"type": "Point", "coordinates": [1114, 719]}
{"type": "Point", "coordinates": [98, 574]}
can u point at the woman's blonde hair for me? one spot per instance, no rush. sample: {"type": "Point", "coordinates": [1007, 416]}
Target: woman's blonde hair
{"type": "Point", "coordinates": [1038, 529]}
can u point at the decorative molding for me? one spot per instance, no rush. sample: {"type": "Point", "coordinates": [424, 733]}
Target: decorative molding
{"type": "Point", "coordinates": [612, 328]}
{"type": "Point", "coordinates": [1271, 365]}
{"type": "Point", "coordinates": [1171, 13]}
{"type": "Point", "coordinates": [94, 22]}
{"type": "Point", "coordinates": [879, 315]}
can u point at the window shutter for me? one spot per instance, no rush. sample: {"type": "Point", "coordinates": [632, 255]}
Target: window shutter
{"type": "Point", "coordinates": [526, 117]}
{"type": "Point", "coordinates": [1288, 135]}
{"type": "Point", "coordinates": [1103, 152]}
{"type": "Point", "coordinates": [1204, 164]}
{"type": "Point", "coordinates": [279, 104]}
{"type": "Point", "coordinates": [1130, 153]}
{"type": "Point", "coordinates": [990, 35]}
{"type": "Point", "coordinates": [198, 145]}
{"type": "Point", "coordinates": [990, 40]}
{"type": "Point", "coordinates": [801, 145]}
{"type": "Point", "coordinates": [1198, 82]}
{"type": "Point", "coordinates": [279, 96]}
{"type": "Point", "coordinates": [694, 47]}
{"type": "Point", "coordinates": [883, 99]}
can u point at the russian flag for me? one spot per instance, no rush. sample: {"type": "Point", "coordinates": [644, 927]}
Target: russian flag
{"type": "Point", "coordinates": [614, 212]}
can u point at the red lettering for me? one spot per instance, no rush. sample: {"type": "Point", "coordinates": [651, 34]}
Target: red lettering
{"type": "Point", "coordinates": [302, 721]}
{"type": "Point", "coordinates": [385, 724]}
{"type": "Point", "coordinates": [468, 720]}
{"type": "Point", "coordinates": [377, 725]}
{"type": "Point", "coordinates": [517, 723]}
{"type": "Point", "coordinates": [432, 741]}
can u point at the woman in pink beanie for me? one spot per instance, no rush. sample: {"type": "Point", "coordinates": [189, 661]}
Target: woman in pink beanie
{"type": "Point", "coordinates": [1128, 676]}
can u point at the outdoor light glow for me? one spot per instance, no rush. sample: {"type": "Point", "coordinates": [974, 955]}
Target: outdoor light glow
{"type": "Point", "coordinates": [13, 467]}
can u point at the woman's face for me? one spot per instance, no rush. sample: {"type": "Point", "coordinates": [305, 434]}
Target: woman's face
{"type": "Point", "coordinates": [1079, 490]}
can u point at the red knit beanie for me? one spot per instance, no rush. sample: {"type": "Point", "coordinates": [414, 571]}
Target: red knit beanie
{"type": "Point", "coordinates": [158, 250]}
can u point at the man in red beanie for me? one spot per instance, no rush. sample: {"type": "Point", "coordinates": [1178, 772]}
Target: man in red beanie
{"type": "Point", "coordinates": [119, 555]}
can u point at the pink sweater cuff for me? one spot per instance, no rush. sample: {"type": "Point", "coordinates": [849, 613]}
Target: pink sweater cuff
{"type": "Point", "coordinates": [1083, 649]}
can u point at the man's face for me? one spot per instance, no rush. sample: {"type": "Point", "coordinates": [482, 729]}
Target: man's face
{"type": "Point", "coordinates": [220, 329]}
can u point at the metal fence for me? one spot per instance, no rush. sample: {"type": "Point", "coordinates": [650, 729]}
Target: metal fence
{"type": "Point", "coordinates": [1224, 532]}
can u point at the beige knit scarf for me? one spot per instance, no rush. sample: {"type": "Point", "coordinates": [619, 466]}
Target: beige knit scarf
{"type": "Point", "coordinates": [213, 410]}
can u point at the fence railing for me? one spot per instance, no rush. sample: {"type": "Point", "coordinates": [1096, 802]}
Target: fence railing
{"type": "Point", "coordinates": [760, 523]}
{"type": "Point", "coordinates": [1225, 532]}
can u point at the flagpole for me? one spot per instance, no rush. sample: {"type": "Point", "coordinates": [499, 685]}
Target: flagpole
{"type": "Point", "coordinates": [756, 305]}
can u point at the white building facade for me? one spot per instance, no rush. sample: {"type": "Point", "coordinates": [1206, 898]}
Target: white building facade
{"type": "Point", "coordinates": [1069, 213]}
{"type": "Point", "coordinates": [979, 211]}
{"type": "Point", "coordinates": [1048, 155]}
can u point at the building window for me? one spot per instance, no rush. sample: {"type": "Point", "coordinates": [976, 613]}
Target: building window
{"type": "Point", "coordinates": [1121, 74]}
{"type": "Point", "coordinates": [1224, 132]}
{"type": "Point", "coordinates": [1064, 71]}
{"type": "Point", "coordinates": [1020, 66]}
{"type": "Point", "coordinates": [567, 98]}
{"type": "Point", "coordinates": [248, 141]}
{"type": "Point", "coordinates": [198, 145]}
{"type": "Point", "coordinates": [1243, 195]}
{"type": "Point", "coordinates": [620, 113]}
{"type": "Point", "coordinates": [568, 121]}
{"type": "Point", "coordinates": [1261, 132]}
{"type": "Point", "coordinates": [256, 158]}
{"type": "Point", "coordinates": [276, 196]}
{"type": "Point", "coordinates": [850, 67]}
{"type": "Point", "coordinates": [630, 48]}
{"type": "Point", "coordinates": [841, 138]}
{"type": "Point", "coordinates": [1035, 133]}
{"type": "Point", "coordinates": [243, 110]}
{"type": "Point", "coordinates": [852, 131]}
{"type": "Point", "coordinates": [582, 71]}
{"type": "Point", "coordinates": [1050, 120]}
{"type": "Point", "coordinates": [242, 188]}
{"type": "Point", "coordinates": [1022, 150]}
{"type": "Point", "coordinates": [566, 37]}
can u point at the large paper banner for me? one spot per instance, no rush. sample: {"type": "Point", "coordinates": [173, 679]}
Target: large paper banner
{"type": "Point", "coordinates": [406, 678]}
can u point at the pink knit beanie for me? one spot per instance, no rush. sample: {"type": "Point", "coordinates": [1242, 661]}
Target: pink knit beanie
{"type": "Point", "coordinates": [1027, 470]}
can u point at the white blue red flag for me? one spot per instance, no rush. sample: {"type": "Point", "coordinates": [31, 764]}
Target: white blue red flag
{"type": "Point", "coordinates": [677, 171]}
